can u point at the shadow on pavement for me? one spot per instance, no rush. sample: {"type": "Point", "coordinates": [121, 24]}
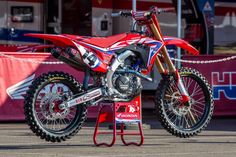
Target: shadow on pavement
{"type": "Point", "coordinates": [69, 146]}
{"type": "Point", "coordinates": [222, 124]}
{"type": "Point", "coordinates": [40, 146]}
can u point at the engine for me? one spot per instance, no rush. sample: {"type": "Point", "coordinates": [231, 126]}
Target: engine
{"type": "Point", "coordinates": [127, 85]}
{"type": "Point", "coordinates": [123, 79]}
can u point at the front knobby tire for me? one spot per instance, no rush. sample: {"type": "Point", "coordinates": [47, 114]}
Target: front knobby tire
{"type": "Point", "coordinates": [190, 121]}
{"type": "Point", "coordinates": [46, 120]}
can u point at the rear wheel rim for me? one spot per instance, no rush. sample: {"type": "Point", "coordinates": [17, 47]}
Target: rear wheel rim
{"type": "Point", "coordinates": [46, 107]}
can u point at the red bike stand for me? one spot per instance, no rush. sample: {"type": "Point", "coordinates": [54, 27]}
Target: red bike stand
{"type": "Point", "coordinates": [120, 113]}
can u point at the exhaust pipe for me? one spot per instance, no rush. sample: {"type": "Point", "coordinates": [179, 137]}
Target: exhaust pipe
{"type": "Point", "coordinates": [118, 61]}
{"type": "Point", "coordinates": [56, 52]}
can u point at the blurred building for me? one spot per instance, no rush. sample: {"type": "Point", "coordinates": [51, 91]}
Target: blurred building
{"type": "Point", "coordinates": [92, 17]}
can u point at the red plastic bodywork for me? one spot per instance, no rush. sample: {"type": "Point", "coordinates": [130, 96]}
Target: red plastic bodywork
{"type": "Point", "coordinates": [103, 47]}
{"type": "Point", "coordinates": [180, 43]}
{"type": "Point", "coordinates": [105, 42]}
{"type": "Point", "coordinates": [58, 40]}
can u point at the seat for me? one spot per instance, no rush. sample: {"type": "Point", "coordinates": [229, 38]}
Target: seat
{"type": "Point", "coordinates": [105, 42]}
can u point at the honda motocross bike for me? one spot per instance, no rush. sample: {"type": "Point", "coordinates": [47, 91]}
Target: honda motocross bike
{"type": "Point", "coordinates": [116, 65]}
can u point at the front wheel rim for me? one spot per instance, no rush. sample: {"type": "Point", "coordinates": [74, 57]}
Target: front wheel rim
{"type": "Point", "coordinates": [195, 114]}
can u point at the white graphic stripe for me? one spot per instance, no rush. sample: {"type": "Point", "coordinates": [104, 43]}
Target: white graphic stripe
{"type": "Point", "coordinates": [18, 90]}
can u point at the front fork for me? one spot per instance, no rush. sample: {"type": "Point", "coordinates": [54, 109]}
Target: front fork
{"type": "Point", "coordinates": [178, 79]}
{"type": "Point", "coordinates": [171, 68]}
{"type": "Point", "coordinates": [173, 71]}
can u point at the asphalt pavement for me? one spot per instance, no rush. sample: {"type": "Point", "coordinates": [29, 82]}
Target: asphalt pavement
{"type": "Point", "coordinates": [218, 140]}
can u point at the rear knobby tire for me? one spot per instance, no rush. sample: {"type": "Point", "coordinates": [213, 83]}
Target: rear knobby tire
{"type": "Point", "coordinates": [166, 112]}
{"type": "Point", "coordinates": [31, 117]}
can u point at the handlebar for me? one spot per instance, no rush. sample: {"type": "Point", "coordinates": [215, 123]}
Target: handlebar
{"type": "Point", "coordinates": [153, 10]}
{"type": "Point", "coordinates": [122, 13]}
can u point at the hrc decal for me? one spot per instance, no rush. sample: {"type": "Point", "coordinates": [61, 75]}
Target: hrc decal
{"type": "Point", "coordinates": [224, 83]}
{"type": "Point", "coordinates": [18, 90]}
{"type": "Point", "coordinates": [153, 51]}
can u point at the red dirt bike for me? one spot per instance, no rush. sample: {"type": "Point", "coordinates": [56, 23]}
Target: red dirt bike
{"type": "Point", "coordinates": [117, 64]}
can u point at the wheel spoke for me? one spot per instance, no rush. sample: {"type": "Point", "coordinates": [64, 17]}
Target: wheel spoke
{"type": "Point", "coordinates": [63, 121]}
{"type": "Point", "coordinates": [44, 113]}
{"type": "Point", "coordinates": [200, 99]}
{"type": "Point", "coordinates": [172, 117]}
{"type": "Point", "coordinates": [181, 122]}
{"type": "Point", "coordinates": [189, 83]}
{"type": "Point", "coordinates": [196, 115]}
{"type": "Point", "coordinates": [197, 92]}
{"type": "Point", "coordinates": [186, 120]}
{"type": "Point", "coordinates": [198, 112]}
{"type": "Point", "coordinates": [197, 106]}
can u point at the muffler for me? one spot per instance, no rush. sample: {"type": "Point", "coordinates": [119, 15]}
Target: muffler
{"type": "Point", "coordinates": [59, 54]}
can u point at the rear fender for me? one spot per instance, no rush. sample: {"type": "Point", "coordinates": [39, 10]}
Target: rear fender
{"type": "Point", "coordinates": [58, 40]}
{"type": "Point", "coordinates": [180, 43]}
{"type": "Point", "coordinates": [91, 59]}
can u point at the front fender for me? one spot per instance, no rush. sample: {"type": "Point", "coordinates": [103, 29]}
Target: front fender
{"type": "Point", "coordinates": [180, 43]}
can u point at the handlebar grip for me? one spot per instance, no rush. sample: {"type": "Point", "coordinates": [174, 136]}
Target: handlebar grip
{"type": "Point", "coordinates": [126, 13]}
{"type": "Point", "coordinates": [121, 13]}
{"type": "Point", "coordinates": [165, 10]}
{"type": "Point", "coordinates": [115, 14]}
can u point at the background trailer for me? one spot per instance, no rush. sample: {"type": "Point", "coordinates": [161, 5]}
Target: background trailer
{"type": "Point", "coordinates": [205, 24]}
{"type": "Point", "coordinates": [92, 17]}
